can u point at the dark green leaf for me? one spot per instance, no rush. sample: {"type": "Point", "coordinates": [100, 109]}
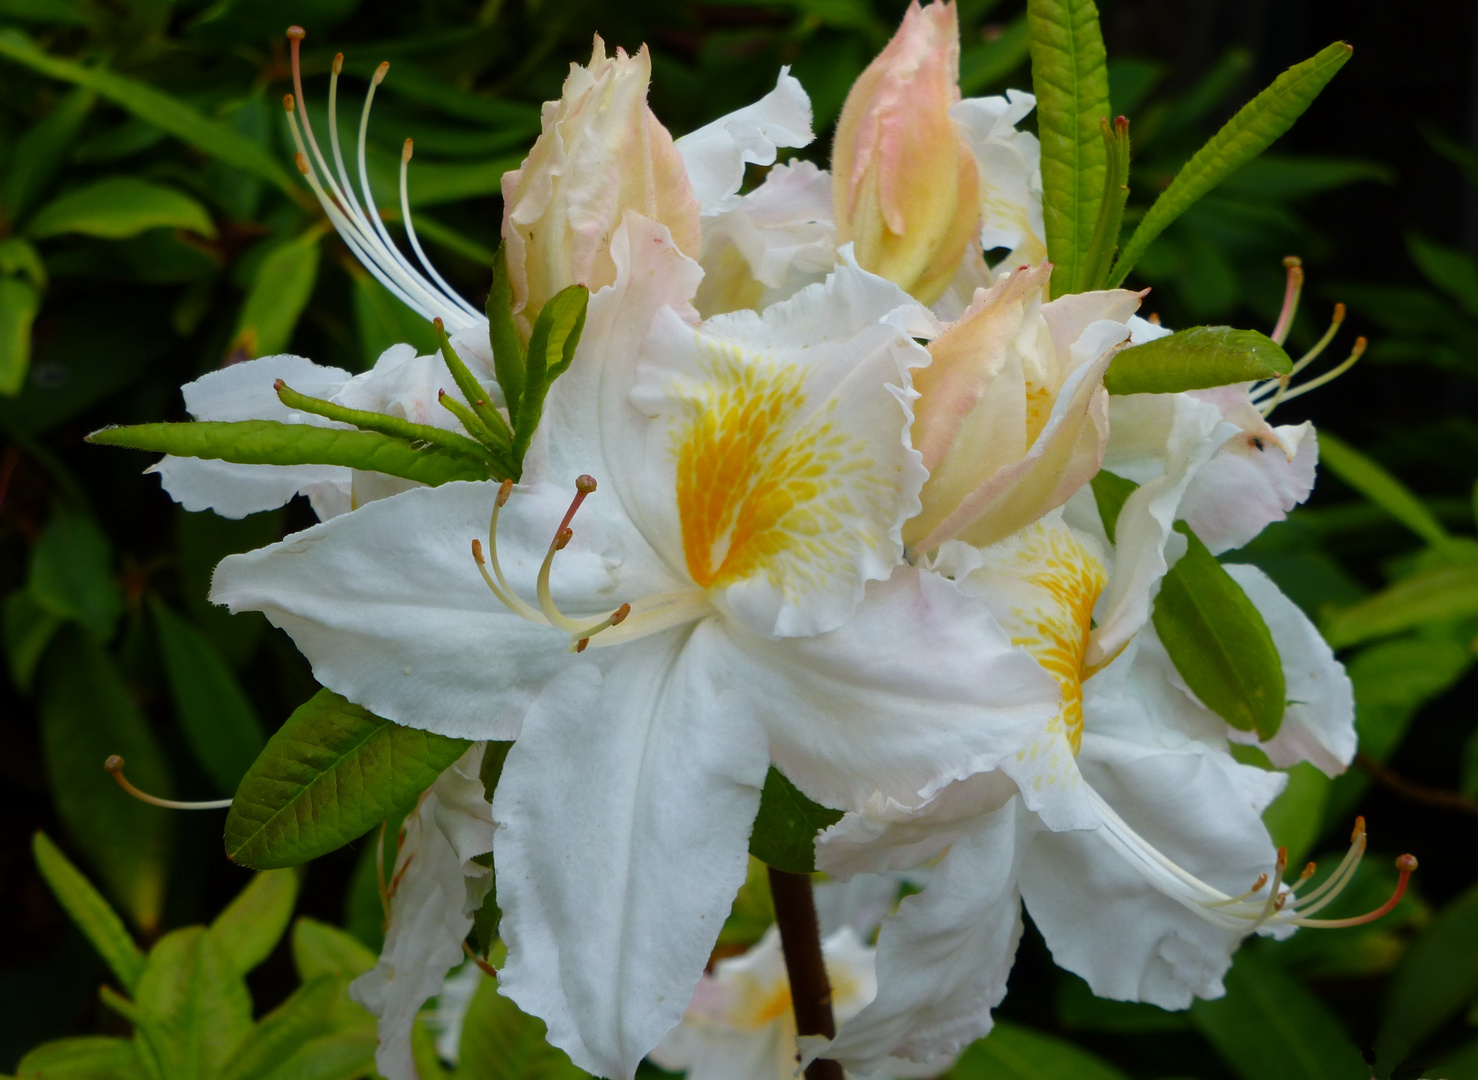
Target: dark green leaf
{"type": "Point", "coordinates": [1079, 1009]}
{"type": "Point", "coordinates": [86, 715]}
{"type": "Point", "coordinates": [1437, 594]}
{"type": "Point", "coordinates": [1437, 978]}
{"type": "Point", "coordinates": [267, 442]}
{"type": "Point", "coordinates": [118, 207]}
{"type": "Point", "coordinates": [88, 1057]}
{"type": "Point", "coordinates": [284, 281]}
{"type": "Point", "coordinates": [1242, 138]}
{"type": "Point", "coordinates": [1452, 271]}
{"type": "Point", "coordinates": [213, 711]}
{"type": "Point", "coordinates": [1295, 818]}
{"type": "Point", "coordinates": [202, 540]}
{"type": "Point", "coordinates": [509, 355]}
{"type": "Point", "coordinates": [19, 302]}
{"type": "Point", "coordinates": [252, 924]}
{"type": "Point", "coordinates": [71, 574]}
{"type": "Point", "coordinates": [1196, 359]}
{"type": "Point", "coordinates": [1268, 1027]}
{"type": "Point", "coordinates": [194, 1008]}
{"type": "Point", "coordinates": [329, 774]}
{"type": "Point", "coordinates": [1013, 1052]}
{"type": "Point", "coordinates": [39, 153]}
{"type": "Point", "coordinates": [1380, 487]}
{"type": "Point", "coordinates": [1070, 78]}
{"type": "Point", "coordinates": [784, 834]}
{"type": "Point", "coordinates": [97, 920]}
{"type": "Point", "coordinates": [29, 628]}
{"type": "Point", "coordinates": [1110, 493]}
{"type": "Point", "coordinates": [552, 345]}
{"type": "Point", "coordinates": [983, 66]}
{"type": "Point", "coordinates": [487, 920]}
{"type": "Point", "coordinates": [1219, 642]}
{"type": "Point", "coordinates": [499, 1042]}
{"type": "Point", "coordinates": [383, 321]}
{"type": "Point", "coordinates": [491, 770]}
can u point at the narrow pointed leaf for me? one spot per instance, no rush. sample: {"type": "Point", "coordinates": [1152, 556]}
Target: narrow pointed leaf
{"type": "Point", "coordinates": [1219, 642]}
{"type": "Point", "coordinates": [119, 207]}
{"type": "Point", "coordinates": [500, 1042]}
{"type": "Point", "coordinates": [551, 348]}
{"type": "Point", "coordinates": [267, 442]}
{"type": "Point", "coordinates": [1014, 1052]}
{"type": "Point", "coordinates": [494, 428]}
{"type": "Point", "coordinates": [72, 574]}
{"type": "Point", "coordinates": [1196, 359]}
{"type": "Point", "coordinates": [1380, 487]}
{"type": "Point", "coordinates": [19, 303]}
{"type": "Point", "coordinates": [194, 1007]}
{"type": "Point", "coordinates": [278, 294]}
{"type": "Point", "coordinates": [331, 773]}
{"type": "Point", "coordinates": [87, 1057]}
{"type": "Point", "coordinates": [784, 834]}
{"type": "Point", "coordinates": [509, 355]}
{"type": "Point", "coordinates": [321, 949]}
{"type": "Point", "coordinates": [252, 924]}
{"type": "Point", "coordinates": [93, 915]}
{"type": "Point", "coordinates": [1438, 594]}
{"type": "Point", "coordinates": [1070, 77]}
{"type": "Point", "coordinates": [1246, 135]}
{"type": "Point", "coordinates": [37, 156]}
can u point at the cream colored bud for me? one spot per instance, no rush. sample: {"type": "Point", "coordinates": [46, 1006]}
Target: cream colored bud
{"type": "Point", "coordinates": [906, 187]}
{"type": "Point", "coordinates": [601, 153]}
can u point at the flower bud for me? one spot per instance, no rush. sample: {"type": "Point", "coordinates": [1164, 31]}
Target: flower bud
{"type": "Point", "coordinates": [1012, 416]}
{"type": "Point", "coordinates": [906, 189]}
{"type": "Point", "coordinates": [601, 153]}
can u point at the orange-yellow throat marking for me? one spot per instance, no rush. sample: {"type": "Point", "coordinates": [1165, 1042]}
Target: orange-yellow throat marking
{"type": "Point", "coordinates": [758, 483]}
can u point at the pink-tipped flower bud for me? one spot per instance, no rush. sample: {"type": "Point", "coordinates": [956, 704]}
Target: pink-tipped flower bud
{"type": "Point", "coordinates": [906, 187]}
{"type": "Point", "coordinates": [600, 154]}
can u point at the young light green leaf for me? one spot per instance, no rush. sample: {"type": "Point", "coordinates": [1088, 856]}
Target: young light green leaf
{"type": "Point", "coordinates": [784, 834]}
{"type": "Point", "coordinates": [29, 628]}
{"type": "Point", "coordinates": [1380, 487]}
{"type": "Point", "coordinates": [329, 774]}
{"type": "Point", "coordinates": [321, 949]}
{"type": "Point", "coordinates": [1436, 979]}
{"type": "Point", "coordinates": [306, 1015]}
{"type": "Point", "coordinates": [93, 915]}
{"type": "Point", "coordinates": [499, 1042]}
{"type": "Point", "coordinates": [87, 714]}
{"type": "Point", "coordinates": [1437, 594]}
{"type": "Point", "coordinates": [481, 419]}
{"type": "Point", "coordinates": [1196, 359]}
{"type": "Point", "coordinates": [194, 1008]}
{"type": "Point", "coordinates": [277, 297]}
{"type": "Point", "coordinates": [1219, 642]}
{"type": "Point", "coordinates": [250, 927]}
{"type": "Point", "coordinates": [754, 909]}
{"type": "Point", "coordinates": [19, 302]}
{"type": "Point", "coordinates": [119, 207]}
{"type": "Point", "coordinates": [509, 355]}
{"type": "Point", "coordinates": [39, 153]}
{"type": "Point", "coordinates": [1013, 1052]}
{"type": "Point", "coordinates": [1070, 77]}
{"type": "Point", "coordinates": [1111, 208]}
{"type": "Point", "coordinates": [86, 1057]}
{"type": "Point", "coordinates": [214, 712]}
{"type": "Point", "coordinates": [1268, 1027]}
{"type": "Point", "coordinates": [551, 348]}
{"type": "Point", "coordinates": [1242, 138]}
{"type": "Point", "coordinates": [72, 574]}
{"type": "Point", "coordinates": [157, 108]}
{"type": "Point", "coordinates": [267, 442]}
{"type": "Point", "coordinates": [345, 1054]}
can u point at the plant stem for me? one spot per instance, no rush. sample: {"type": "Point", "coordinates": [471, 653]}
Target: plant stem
{"type": "Point", "coordinates": [800, 940]}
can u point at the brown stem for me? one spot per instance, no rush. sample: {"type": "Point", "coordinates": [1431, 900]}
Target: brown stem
{"type": "Point", "coordinates": [800, 939]}
{"type": "Point", "coordinates": [1447, 800]}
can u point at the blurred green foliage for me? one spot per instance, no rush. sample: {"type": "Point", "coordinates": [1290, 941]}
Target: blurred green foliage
{"type": "Point", "coordinates": [152, 228]}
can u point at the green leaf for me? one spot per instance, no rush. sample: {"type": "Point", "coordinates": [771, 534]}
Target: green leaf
{"type": "Point", "coordinates": [214, 712]}
{"type": "Point", "coordinates": [39, 153]}
{"type": "Point", "coordinates": [1111, 207]}
{"type": "Point", "coordinates": [284, 281]}
{"type": "Point", "coordinates": [552, 345]}
{"type": "Point", "coordinates": [491, 769]}
{"type": "Point", "coordinates": [29, 628]}
{"type": "Point", "coordinates": [19, 302]}
{"type": "Point", "coordinates": [383, 321]}
{"type": "Point", "coordinates": [1110, 492]}
{"type": "Point", "coordinates": [1268, 1027]}
{"type": "Point", "coordinates": [347, 1054]}
{"type": "Point", "coordinates": [784, 834]}
{"type": "Point", "coordinates": [1219, 642]}
{"type": "Point", "coordinates": [1380, 487]}
{"type": "Point", "coordinates": [1295, 819]}
{"type": "Point", "coordinates": [1437, 594]}
{"type": "Point", "coordinates": [480, 418]}
{"type": "Point", "coordinates": [158, 108]}
{"type": "Point", "coordinates": [1459, 1064]}
{"type": "Point", "coordinates": [321, 949]}
{"type": "Point", "coordinates": [1013, 1052]}
{"type": "Point", "coordinates": [118, 207]}
{"type": "Point", "coordinates": [499, 1042]}
{"type": "Point", "coordinates": [1436, 979]}
{"type": "Point", "coordinates": [93, 915]}
{"type": "Point", "coordinates": [1242, 138]}
{"type": "Point", "coordinates": [252, 924]}
{"type": "Point", "coordinates": [753, 911]}
{"type": "Point", "coordinates": [306, 1015]}
{"type": "Point", "coordinates": [86, 714]}
{"type": "Point", "coordinates": [1451, 270]}
{"type": "Point", "coordinates": [267, 442]}
{"type": "Point", "coordinates": [202, 540]}
{"type": "Point", "coordinates": [72, 577]}
{"type": "Point", "coordinates": [986, 64]}
{"type": "Point", "coordinates": [1196, 359]}
{"type": "Point", "coordinates": [19, 257]}
{"type": "Point", "coordinates": [330, 773]}
{"type": "Point", "coordinates": [509, 355]}
{"type": "Point", "coordinates": [194, 1008]}
{"type": "Point", "coordinates": [1070, 78]}
{"type": "Point", "coordinates": [1078, 1009]}
{"type": "Point", "coordinates": [87, 1057]}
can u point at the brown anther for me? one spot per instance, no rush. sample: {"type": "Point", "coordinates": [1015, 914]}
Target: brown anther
{"type": "Point", "coordinates": [338, 67]}
{"type": "Point", "coordinates": [477, 550]}
{"type": "Point", "coordinates": [1359, 349]}
{"type": "Point", "coordinates": [1279, 901]}
{"type": "Point", "coordinates": [563, 537]}
{"type": "Point", "coordinates": [405, 151]}
{"type": "Point", "coordinates": [582, 644]}
{"type": "Point", "coordinates": [585, 483]}
{"type": "Point", "coordinates": [1339, 314]}
{"type": "Point", "coordinates": [1308, 871]}
{"type": "Point", "coordinates": [302, 163]}
{"type": "Point", "coordinates": [114, 764]}
{"type": "Point", "coordinates": [505, 489]}
{"type": "Point", "coordinates": [1290, 261]}
{"type": "Point", "coordinates": [619, 615]}
{"type": "Point", "coordinates": [1358, 831]}
{"type": "Point", "coordinates": [1406, 863]}
{"type": "Point", "coordinates": [1154, 318]}
{"type": "Point", "coordinates": [380, 72]}
{"type": "Point", "coordinates": [1262, 879]}
{"type": "Point", "coordinates": [296, 33]}
{"type": "Point", "coordinates": [289, 102]}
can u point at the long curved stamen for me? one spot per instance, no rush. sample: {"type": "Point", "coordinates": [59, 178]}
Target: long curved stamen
{"type": "Point", "coordinates": [1291, 293]}
{"type": "Point", "coordinates": [415, 241]}
{"type": "Point", "coordinates": [1329, 376]}
{"type": "Point", "coordinates": [114, 765]}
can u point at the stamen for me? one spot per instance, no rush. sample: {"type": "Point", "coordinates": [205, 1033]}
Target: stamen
{"type": "Point", "coordinates": [1406, 864]}
{"type": "Point", "coordinates": [487, 969]}
{"type": "Point", "coordinates": [114, 765]}
{"type": "Point", "coordinates": [1291, 293]}
{"type": "Point", "coordinates": [1329, 376]}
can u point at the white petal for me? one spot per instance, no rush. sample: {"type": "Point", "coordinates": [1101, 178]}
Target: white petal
{"type": "Point", "coordinates": [715, 154]}
{"type": "Point", "coordinates": [1009, 163]}
{"type": "Point", "coordinates": [922, 687]}
{"type": "Point", "coordinates": [245, 391]}
{"type": "Point", "coordinates": [624, 811]}
{"type": "Point", "coordinates": [438, 891]}
{"type": "Point", "coordinates": [785, 435]}
{"type": "Point", "coordinates": [234, 491]}
{"type": "Point", "coordinates": [1319, 723]}
{"type": "Point", "coordinates": [387, 605]}
{"type": "Point", "coordinates": [1252, 481]}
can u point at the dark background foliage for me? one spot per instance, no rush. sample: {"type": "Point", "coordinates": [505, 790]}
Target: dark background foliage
{"type": "Point", "coordinates": [1377, 190]}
